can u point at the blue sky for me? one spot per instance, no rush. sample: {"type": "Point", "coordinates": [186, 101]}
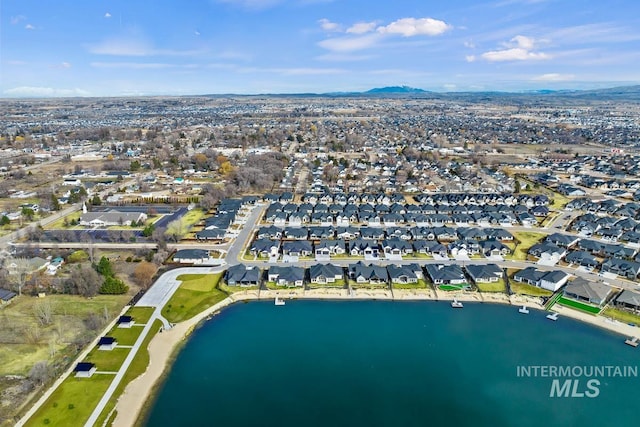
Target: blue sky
{"type": "Point", "coordinates": [140, 47]}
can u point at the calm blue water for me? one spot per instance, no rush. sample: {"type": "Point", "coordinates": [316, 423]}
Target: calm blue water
{"type": "Point", "coordinates": [377, 363]}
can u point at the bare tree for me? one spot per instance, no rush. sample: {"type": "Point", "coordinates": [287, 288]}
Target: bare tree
{"type": "Point", "coordinates": [177, 229]}
{"type": "Point", "coordinates": [43, 312]}
{"type": "Point", "coordinates": [19, 272]}
{"type": "Point", "coordinates": [143, 274]}
{"type": "Point", "coordinates": [41, 372]}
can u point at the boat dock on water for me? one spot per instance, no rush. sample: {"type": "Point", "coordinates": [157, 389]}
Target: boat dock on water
{"type": "Point", "coordinates": [456, 304]}
{"type": "Point", "coordinates": [633, 341]}
{"type": "Point", "coordinates": [552, 316]}
{"type": "Point", "coordinates": [279, 301]}
{"type": "Point", "coordinates": [523, 310]}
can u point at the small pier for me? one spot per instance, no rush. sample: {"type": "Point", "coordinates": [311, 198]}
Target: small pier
{"type": "Point", "coordinates": [633, 341]}
{"type": "Point", "coordinates": [523, 310]}
{"type": "Point", "coordinates": [279, 301]}
{"type": "Point", "coordinates": [552, 316]}
{"type": "Point", "coordinates": [456, 304]}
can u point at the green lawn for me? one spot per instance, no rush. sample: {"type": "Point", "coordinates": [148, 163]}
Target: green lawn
{"type": "Point", "coordinates": [275, 287]}
{"type": "Point", "coordinates": [59, 224]}
{"type": "Point", "coordinates": [422, 284]}
{"type": "Point", "coordinates": [72, 403]}
{"type": "Point", "coordinates": [108, 360]}
{"type": "Point", "coordinates": [587, 308]}
{"type": "Point", "coordinates": [337, 284]}
{"type": "Point", "coordinates": [621, 315]}
{"type": "Point", "coordinates": [196, 293]}
{"type": "Point", "coordinates": [524, 289]}
{"type": "Point", "coordinates": [498, 286]}
{"type": "Point", "coordinates": [125, 336]}
{"type": "Point", "coordinates": [231, 289]}
{"type": "Point", "coordinates": [452, 287]}
{"type": "Point", "coordinates": [140, 314]}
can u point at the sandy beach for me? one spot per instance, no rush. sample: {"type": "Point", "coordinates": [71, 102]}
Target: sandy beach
{"type": "Point", "coordinates": [163, 345]}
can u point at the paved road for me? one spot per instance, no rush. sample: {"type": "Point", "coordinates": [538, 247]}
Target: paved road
{"type": "Point", "coordinates": [236, 249]}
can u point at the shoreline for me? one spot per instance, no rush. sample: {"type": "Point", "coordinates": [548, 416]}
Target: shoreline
{"type": "Point", "coordinates": [162, 348]}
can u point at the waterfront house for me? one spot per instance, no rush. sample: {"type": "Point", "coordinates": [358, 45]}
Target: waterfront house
{"type": "Point", "coordinates": [241, 275]}
{"type": "Point", "coordinates": [628, 300]}
{"type": "Point", "coordinates": [592, 292]}
{"type": "Point", "coordinates": [441, 274]}
{"type": "Point", "coordinates": [486, 273]}
{"type": "Point", "coordinates": [373, 274]}
{"type": "Point", "coordinates": [289, 276]}
{"type": "Point", "coordinates": [325, 273]}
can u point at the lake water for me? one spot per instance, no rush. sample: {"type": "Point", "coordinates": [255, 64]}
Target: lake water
{"type": "Point", "coordinates": [382, 363]}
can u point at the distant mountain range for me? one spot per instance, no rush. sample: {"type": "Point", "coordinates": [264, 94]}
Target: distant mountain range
{"type": "Point", "coordinates": [621, 93]}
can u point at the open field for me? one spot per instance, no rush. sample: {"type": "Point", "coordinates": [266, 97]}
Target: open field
{"type": "Point", "coordinates": [526, 239]}
{"type": "Point", "coordinates": [524, 289]}
{"type": "Point", "coordinates": [498, 286]}
{"type": "Point", "coordinates": [421, 284]}
{"type": "Point", "coordinates": [195, 294]}
{"type": "Point", "coordinates": [621, 315]}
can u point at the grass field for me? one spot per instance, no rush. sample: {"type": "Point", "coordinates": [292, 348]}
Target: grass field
{"type": "Point", "coordinates": [524, 289]}
{"type": "Point", "coordinates": [196, 293]}
{"type": "Point", "coordinates": [421, 284]}
{"type": "Point", "coordinates": [125, 336]}
{"type": "Point", "coordinates": [109, 361]}
{"type": "Point", "coordinates": [526, 239]}
{"type": "Point", "coordinates": [621, 315]}
{"type": "Point", "coordinates": [587, 308]}
{"type": "Point", "coordinates": [452, 287]}
{"type": "Point", "coordinates": [193, 217]}
{"type": "Point", "coordinates": [498, 286]}
{"type": "Point", "coordinates": [59, 224]}
{"type": "Point", "coordinates": [72, 403]}
{"type": "Point", "coordinates": [337, 284]}
{"type": "Point", "coordinates": [231, 289]}
{"type": "Point", "coordinates": [25, 341]}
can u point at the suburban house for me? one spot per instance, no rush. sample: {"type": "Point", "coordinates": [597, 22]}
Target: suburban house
{"type": "Point", "coordinates": [582, 258]}
{"type": "Point", "coordinates": [84, 370]}
{"type": "Point", "coordinates": [214, 234]}
{"type": "Point", "coordinates": [621, 267]}
{"type": "Point", "coordinates": [299, 248]}
{"type": "Point", "coordinates": [264, 247]}
{"type": "Point", "coordinates": [562, 240]}
{"type": "Point", "coordinates": [289, 276]}
{"type": "Point", "coordinates": [404, 274]}
{"type": "Point", "coordinates": [591, 292]}
{"type": "Point", "coordinates": [397, 247]}
{"type": "Point", "coordinates": [487, 273]}
{"type": "Point", "coordinates": [628, 300]}
{"type": "Point", "coordinates": [240, 275]}
{"type": "Point", "coordinates": [191, 256]}
{"type": "Point", "coordinates": [550, 280]}
{"type": "Point", "coordinates": [441, 274]}
{"type": "Point", "coordinates": [373, 274]}
{"type": "Point", "coordinates": [111, 218]}
{"type": "Point", "coordinates": [325, 273]}
{"type": "Point", "coordinates": [326, 247]}
{"type": "Point", "coordinates": [360, 247]}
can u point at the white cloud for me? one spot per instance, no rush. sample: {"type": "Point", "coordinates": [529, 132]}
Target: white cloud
{"type": "Point", "coordinates": [343, 57]}
{"type": "Point", "coordinates": [134, 46]}
{"type": "Point", "coordinates": [350, 44]}
{"type": "Point", "coordinates": [133, 65]}
{"type": "Point", "coordinates": [37, 91]}
{"type": "Point", "coordinates": [519, 48]}
{"type": "Point", "coordinates": [470, 58]}
{"type": "Point", "coordinates": [327, 25]}
{"type": "Point", "coordinates": [29, 27]}
{"type": "Point", "coordinates": [554, 77]}
{"type": "Point", "coordinates": [362, 27]}
{"type": "Point", "coordinates": [17, 19]}
{"type": "Point", "coordinates": [107, 15]}
{"type": "Point", "coordinates": [409, 27]}
{"type": "Point", "coordinates": [514, 54]}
